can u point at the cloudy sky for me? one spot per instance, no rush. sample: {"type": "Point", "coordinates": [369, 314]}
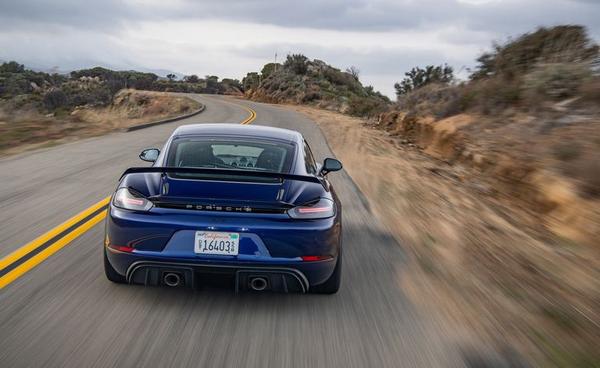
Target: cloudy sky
{"type": "Point", "coordinates": [383, 38]}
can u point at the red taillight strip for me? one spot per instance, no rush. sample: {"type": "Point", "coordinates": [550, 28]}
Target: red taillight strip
{"type": "Point", "coordinates": [313, 209]}
{"type": "Point", "coordinates": [314, 258]}
{"type": "Point", "coordinates": [121, 248]}
{"type": "Point", "coordinates": [133, 201]}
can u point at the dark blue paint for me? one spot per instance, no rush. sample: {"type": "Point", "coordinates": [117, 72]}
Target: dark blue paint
{"type": "Point", "coordinates": [165, 234]}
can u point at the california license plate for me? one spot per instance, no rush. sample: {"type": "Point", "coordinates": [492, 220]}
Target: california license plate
{"type": "Point", "coordinates": [212, 242]}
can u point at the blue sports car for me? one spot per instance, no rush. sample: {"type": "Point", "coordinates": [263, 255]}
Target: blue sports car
{"type": "Point", "coordinates": [223, 204]}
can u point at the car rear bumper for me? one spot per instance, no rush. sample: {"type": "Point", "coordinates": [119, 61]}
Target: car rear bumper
{"type": "Point", "coordinates": [262, 238]}
{"type": "Point", "coordinates": [293, 276]}
{"type": "Point", "coordinates": [166, 238]}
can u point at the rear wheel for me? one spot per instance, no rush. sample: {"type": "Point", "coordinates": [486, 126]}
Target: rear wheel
{"type": "Point", "coordinates": [332, 285]}
{"type": "Point", "coordinates": [111, 273]}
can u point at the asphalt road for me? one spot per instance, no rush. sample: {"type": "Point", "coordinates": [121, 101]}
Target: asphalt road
{"type": "Point", "coordinates": [64, 313]}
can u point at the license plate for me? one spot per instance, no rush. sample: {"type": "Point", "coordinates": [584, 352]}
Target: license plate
{"type": "Point", "coordinates": [212, 242]}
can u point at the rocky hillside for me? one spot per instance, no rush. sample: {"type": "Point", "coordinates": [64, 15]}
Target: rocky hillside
{"type": "Point", "coordinates": [492, 184]}
{"type": "Point", "coordinates": [527, 126]}
{"type": "Point", "coordinates": [302, 81]}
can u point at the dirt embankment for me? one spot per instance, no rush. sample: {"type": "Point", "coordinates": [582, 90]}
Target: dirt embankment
{"type": "Point", "coordinates": [496, 270]}
{"type": "Point", "coordinates": [548, 165]}
{"type": "Point", "coordinates": [26, 129]}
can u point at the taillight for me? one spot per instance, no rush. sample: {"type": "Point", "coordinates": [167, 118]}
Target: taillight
{"type": "Point", "coordinates": [322, 208]}
{"type": "Point", "coordinates": [314, 258]}
{"type": "Point", "coordinates": [125, 199]}
{"type": "Point", "coordinates": [121, 248]}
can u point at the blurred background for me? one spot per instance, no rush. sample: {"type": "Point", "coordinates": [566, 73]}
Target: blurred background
{"type": "Point", "coordinates": [471, 127]}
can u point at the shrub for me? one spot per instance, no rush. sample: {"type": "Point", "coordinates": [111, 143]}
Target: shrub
{"type": "Point", "coordinates": [561, 44]}
{"type": "Point", "coordinates": [117, 80]}
{"type": "Point", "coordinates": [269, 68]}
{"type": "Point", "coordinates": [311, 96]}
{"type": "Point", "coordinates": [54, 99]}
{"type": "Point", "coordinates": [354, 72]}
{"type": "Point", "coordinates": [296, 63]}
{"type": "Point", "coordinates": [556, 81]}
{"type": "Point", "coordinates": [12, 67]}
{"type": "Point", "coordinates": [340, 78]}
{"type": "Point", "coordinates": [417, 78]}
{"type": "Point", "coordinates": [492, 95]}
{"type": "Point", "coordinates": [94, 94]}
{"type": "Point", "coordinates": [366, 106]}
{"type": "Point", "coordinates": [250, 81]}
{"type": "Point", "coordinates": [434, 99]}
{"type": "Point", "coordinates": [191, 78]}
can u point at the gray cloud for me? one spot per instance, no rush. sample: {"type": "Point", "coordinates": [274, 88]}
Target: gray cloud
{"type": "Point", "coordinates": [494, 16]}
{"type": "Point", "coordinates": [75, 33]}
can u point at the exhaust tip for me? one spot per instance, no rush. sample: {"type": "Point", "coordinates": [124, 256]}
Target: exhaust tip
{"type": "Point", "coordinates": [172, 279]}
{"type": "Point", "coordinates": [258, 283]}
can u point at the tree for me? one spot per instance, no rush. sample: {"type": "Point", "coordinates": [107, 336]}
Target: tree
{"type": "Point", "coordinates": [212, 84]}
{"type": "Point", "coordinates": [171, 77]}
{"type": "Point", "coordinates": [418, 77]}
{"type": "Point", "coordinates": [54, 99]}
{"type": "Point", "coordinates": [12, 67]}
{"type": "Point", "coordinates": [191, 78]}
{"type": "Point", "coordinates": [269, 69]}
{"type": "Point", "coordinates": [233, 83]}
{"type": "Point", "coordinates": [353, 71]}
{"type": "Point", "coordinates": [296, 63]}
{"type": "Point", "coordinates": [250, 81]}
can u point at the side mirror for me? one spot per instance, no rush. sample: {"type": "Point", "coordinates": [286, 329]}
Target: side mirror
{"type": "Point", "coordinates": [150, 154]}
{"type": "Point", "coordinates": [329, 165]}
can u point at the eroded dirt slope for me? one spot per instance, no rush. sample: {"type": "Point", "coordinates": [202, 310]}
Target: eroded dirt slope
{"type": "Point", "coordinates": [490, 267]}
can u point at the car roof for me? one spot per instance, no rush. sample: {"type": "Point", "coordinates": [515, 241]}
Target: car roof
{"type": "Point", "coordinates": [258, 131]}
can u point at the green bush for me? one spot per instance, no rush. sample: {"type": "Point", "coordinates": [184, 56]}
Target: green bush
{"type": "Point", "coordinates": [94, 94]}
{"type": "Point", "coordinates": [12, 67]}
{"type": "Point", "coordinates": [54, 99]}
{"type": "Point", "coordinates": [269, 69]}
{"type": "Point", "coordinates": [296, 63]}
{"type": "Point", "coordinates": [250, 81]}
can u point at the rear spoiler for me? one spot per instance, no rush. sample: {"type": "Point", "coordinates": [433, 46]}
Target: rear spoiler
{"type": "Point", "coordinates": [197, 170]}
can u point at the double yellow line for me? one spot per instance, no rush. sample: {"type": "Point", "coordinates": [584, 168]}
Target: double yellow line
{"type": "Point", "coordinates": [35, 252]}
{"type": "Point", "coordinates": [250, 118]}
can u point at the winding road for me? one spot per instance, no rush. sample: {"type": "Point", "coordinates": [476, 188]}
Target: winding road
{"type": "Point", "coordinates": [62, 312]}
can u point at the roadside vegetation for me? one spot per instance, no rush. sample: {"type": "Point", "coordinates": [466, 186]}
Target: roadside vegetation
{"type": "Point", "coordinates": [313, 82]}
{"type": "Point", "coordinates": [493, 183]}
{"type": "Point", "coordinates": [41, 109]}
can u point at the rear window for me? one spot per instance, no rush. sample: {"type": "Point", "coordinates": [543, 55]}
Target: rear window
{"type": "Point", "coordinates": [251, 155]}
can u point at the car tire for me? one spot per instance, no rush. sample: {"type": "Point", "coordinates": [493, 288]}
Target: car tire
{"type": "Point", "coordinates": [332, 285]}
{"type": "Point", "coordinates": [111, 273]}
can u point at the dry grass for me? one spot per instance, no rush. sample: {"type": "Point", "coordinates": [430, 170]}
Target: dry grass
{"type": "Point", "coordinates": [491, 270]}
{"type": "Point", "coordinates": [23, 130]}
